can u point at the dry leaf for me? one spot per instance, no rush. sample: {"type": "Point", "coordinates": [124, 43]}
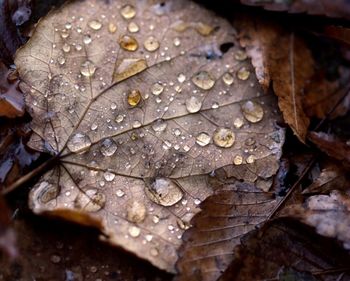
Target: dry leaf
{"type": "Point", "coordinates": [232, 212]}
{"type": "Point", "coordinates": [140, 102]}
{"type": "Point", "coordinates": [286, 251]}
{"type": "Point", "coordinates": [329, 214]}
{"type": "Point", "coordinates": [331, 177]}
{"type": "Point", "coordinates": [332, 146]}
{"type": "Point", "coordinates": [270, 47]}
{"type": "Point", "coordinates": [337, 8]}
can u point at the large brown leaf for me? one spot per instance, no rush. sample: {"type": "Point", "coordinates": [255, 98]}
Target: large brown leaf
{"type": "Point", "coordinates": [271, 47]}
{"type": "Point", "coordinates": [232, 212]}
{"type": "Point", "coordinates": [140, 101]}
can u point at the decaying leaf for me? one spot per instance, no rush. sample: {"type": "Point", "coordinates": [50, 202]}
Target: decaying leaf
{"type": "Point", "coordinates": [329, 214]}
{"type": "Point", "coordinates": [331, 177]}
{"type": "Point", "coordinates": [140, 101]}
{"type": "Point", "coordinates": [11, 99]}
{"type": "Point", "coordinates": [8, 246]}
{"type": "Point", "coordinates": [337, 8]}
{"type": "Point", "coordinates": [232, 212]}
{"type": "Point", "coordinates": [286, 251]}
{"type": "Point", "coordinates": [270, 47]}
{"type": "Point", "coordinates": [332, 146]}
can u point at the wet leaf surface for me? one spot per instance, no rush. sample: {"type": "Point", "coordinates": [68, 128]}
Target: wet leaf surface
{"type": "Point", "coordinates": [232, 212]}
{"type": "Point", "coordinates": [140, 102]}
{"type": "Point", "coordinates": [286, 251]}
{"type": "Point", "coordinates": [270, 47]}
{"type": "Point", "coordinates": [329, 214]}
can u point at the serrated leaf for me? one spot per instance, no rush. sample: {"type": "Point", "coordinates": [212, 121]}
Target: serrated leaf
{"type": "Point", "coordinates": [140, 101]}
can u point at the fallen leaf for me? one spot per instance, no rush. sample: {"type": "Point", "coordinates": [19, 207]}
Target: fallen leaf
{"type": "Point", "coordinates": [338, 8]}
{"type": "Point", "coordinates": [332, 146]}
{"type": "Point", "coordinates": [11, 99]}
{"type": "Point", "coordinates": [331, 177]}
{"type": "Point", "coordinates": [270, 47]}
{"type": "Point", "coordinates": [234, 210]}
{"type": "Point", "coordinates": [329, 214]}
{"type": "Point", "coordinates": [140, 102]}
{"type": "Point", "coordinates": [287, 251]}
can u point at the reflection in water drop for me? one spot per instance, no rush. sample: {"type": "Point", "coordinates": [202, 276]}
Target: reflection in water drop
{"type": "Point", "coordinates": [224, 137]}
{"type": "Point", "coordinates": [133, 27]}
{"type": "Point", "coordinates": [95, 24]}
{"type": "Point", "coordinates": [108, 147]}
{"type": "Point", "coordinates": [203, 80]}
{"type": "Point", "coordinates": [227, 78]}
{"type": "Point", "coordinates": [243, 73]}
{"type": "Point", "coordinates": [79, 142]}
{"type": "Point", "coordinates": [128, 11]}
{"type": "Point", "coordinates": [128, 43]}
{"type": "Point", "coordinates": [151, 44]}
{"type": "Point", "coordinates": [252, 111]}
{"type": "Point", "coordinates": [164, 191]}
{"type": "Point", "coordinates": [134, 98]}
{"type": "Point", "coordinates": [203, 139]}
{"type": "Point", "coordinates": [159, 125]}
{"type": "Point", "coordinates": [193, 104]}
{"type": "Point", "coordinates": [136, 211]}
{"type": "Point", "coordinates": [157, 89]}
{"type": "Point", "coordinates": [87, 68]}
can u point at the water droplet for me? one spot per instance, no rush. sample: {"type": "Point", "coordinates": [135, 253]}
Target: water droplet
{"type": "Point", "coordinates": [128, 12]}
{"type": "Point", "coordinates": [94, 126]}
{"type": "Point", "coordinates": [193, 104]}
{"type": "Point", "coordinates": [120, 193]}
{"type": "Point", "coordinates": [224, 137]}
{"type": "Point", "coordinates": [157, 89]}
{"type": "Point", "coordinates": [240, 55]}
{"type": "Point", "coordinates": [203, 80]}
{"type": "Point", "coordinates": [90, 201]}
{"type": "Point", "coordinates": [64, 34]}
{"type": "Point", "coordinates": [112, 28]}
{"type": "Point", "coordinates": [215, 105]}
{"type": "Point", "coordinates": [79, 142]}
{"type": "Point", "coordinates": [55, 259]}
{"type": "Point", "coordinates": [128, 43]}
{"type": "Point", "coordinates": [185, 221]}
{"type": "Point", "coordinates": [108, 147]}
{"type": "Point", "coordinates": [68, 25]}
{"type": "Point", "coordinates": [164, 192]}
{"type": "Point", "coordinates": [197, 201]}
{"type": "Point", "coordinates": [78, 47]}
{"type": "Point", "coordinates": [95, 24]}
{"type": "Point", "coordinates": [243, 73]}
{"type": "Point", "coordinates": [155, 219]}
{"type": "Point", "coordinates": [227, 78]}
{"type": "Point", "coordinates": [154, 252]}
{"type": "Point", "coordinates": [250, 159]}
{"type": "Point", "coordinates": [136, 211]}
{"type": "Point", "coordinates": [93, 269]}
{"type": "Point", "coordinates": [119, 118]}
{"type": "Point", "coordinates": [181, 78]}
{"type": "Point", "coordinates": [202, 28]}
{"type": "Point", "coordinates": [176, 42]}
{"type": "Point", "coordinates": [134, 231]}
{"type": "Point", "coordinates": [159, 125]}
{"type": "Point", "coordinates": [127, 68]}
{"type": "Point", "coordinates": [136, 124]}
{"type": "Point", "coordinates": [87, 68]}
{"type": "Point", "coordinates": [133, 27]}
{"type": "Point", "coordinates": [87, 39]}
{"type": "Point", "coordinates": [109, 176]}
{"type": "Point", "coordinates": [203, 139]}
{"type": "Point", "coordinates": [238, 160]}
{"type": "Point", "coordinates": [238, 123]}
{"type": "Point", "coordinates": [134, 98]}
{"type": "Point", "coordinates": [66, 47]}
{"type": "Point", "coordinates": [61, 60]}
{"type": "Point", "coordinates": [47, 192]}
{"type": "Point", "coordinates": [151, 44]}
{"type": "Point", "coordinates": [252, 111]}
{"type": "Point", "coordinates": [113, 106]}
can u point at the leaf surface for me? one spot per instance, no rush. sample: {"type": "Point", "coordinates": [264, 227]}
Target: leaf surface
{"type": "Point", "coordinates": [140, 101]}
